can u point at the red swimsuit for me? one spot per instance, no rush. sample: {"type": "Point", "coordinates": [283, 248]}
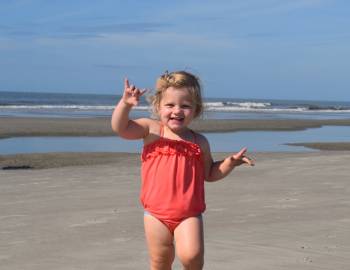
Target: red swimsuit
{"type": "Point", "coordinates": [172, 180]}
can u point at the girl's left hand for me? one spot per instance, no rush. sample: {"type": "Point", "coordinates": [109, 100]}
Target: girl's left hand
{"type": "Point", "coordinates": [131, 93]}
{"type": "Point", "coordinates": [240, 158]}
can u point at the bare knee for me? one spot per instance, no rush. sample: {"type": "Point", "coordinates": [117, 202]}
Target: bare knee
{"type": "Point", "coordinates": [162, 258]}
{"type": "Point", "coordinates": [190, 243]}
{"type": "Point", "coordinates": [193, 260]}
{"type": "Point", "coordinates": [161, 262]}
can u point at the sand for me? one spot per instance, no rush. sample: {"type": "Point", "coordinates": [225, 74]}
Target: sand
{"type": "Point", "coordinates": [290, 211]}
{"type": "Point", "coordinates": [81, 210]}
{"type": "Point", "coordinates": [56, 160]}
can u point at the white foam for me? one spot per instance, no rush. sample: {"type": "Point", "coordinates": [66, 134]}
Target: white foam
{"type": "Point", "coordinates": [208, 106]}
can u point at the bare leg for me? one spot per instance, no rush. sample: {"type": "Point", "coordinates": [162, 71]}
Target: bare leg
{"type": "Point", "coordinates": [160, 244]}
{"type": "Point", "coordinates": [190, 243]}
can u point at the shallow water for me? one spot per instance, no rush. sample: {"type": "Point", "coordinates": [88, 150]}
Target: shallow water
{"type": "Point", "coordinates": [271, 141]}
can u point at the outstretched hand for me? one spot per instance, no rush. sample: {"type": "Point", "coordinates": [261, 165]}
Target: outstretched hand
{"type": "Point", "coordinates": [240, 158]}
{"type": "Point", "coordinates": [132, 94]}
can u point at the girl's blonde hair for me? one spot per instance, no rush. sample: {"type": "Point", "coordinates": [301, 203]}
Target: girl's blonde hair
{"type": "Point", "coordinates": [178, 79]}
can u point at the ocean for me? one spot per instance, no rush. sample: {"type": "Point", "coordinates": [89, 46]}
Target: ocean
{"type": "Point", "coordinates": [27, 104]}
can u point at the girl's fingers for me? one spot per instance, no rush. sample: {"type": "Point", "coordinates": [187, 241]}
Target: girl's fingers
{"type": "Point", "coordinates": [248, 161]}
{"type": "Point", "coordinates": [137, 92]}
{"type": "Point", "coordinates": [240, 154]}
{"type": "Point", "coordinates": [143, 91]}
{"type": "Point", "coordinates": [132, 93]}
{"type": "Point", "coordinates": [130, 88]}
{"type": "Point", "coordinates": [126, 83]}
{"type": "Point", "coordinates": [242, 158]}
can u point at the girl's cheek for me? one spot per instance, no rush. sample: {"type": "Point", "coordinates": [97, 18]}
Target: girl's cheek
{"type": "Point", "coordinates": [163, 112]}
{"type": "Point", "coordinates": [189, 111]}
{"type": "Point", "coordinates": [167, 110]}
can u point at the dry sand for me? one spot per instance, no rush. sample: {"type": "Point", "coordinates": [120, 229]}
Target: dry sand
{"type": "Point", "coordinates": [291, 211]}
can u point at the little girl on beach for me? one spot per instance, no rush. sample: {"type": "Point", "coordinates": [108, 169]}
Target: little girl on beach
{"type": "Point", "coordinates": [175, 163]}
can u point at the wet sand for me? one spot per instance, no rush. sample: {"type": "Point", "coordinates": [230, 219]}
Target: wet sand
{"type": "Point", "coordinates": [290, 211]}
{"type": "Point", "coordinates": [36, 161]}
{"type": "Point", "coordinates": [334, 146]}
{"type": "Point", "coordinates": [22, 127]}
{"type": "Point", "coordinates": [56, 160]}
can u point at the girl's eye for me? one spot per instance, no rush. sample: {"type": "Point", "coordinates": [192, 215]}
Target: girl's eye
{"type": "Point", "coordinates": [169, 105]}
{"type": "Point", "coordinates": [186, 106]}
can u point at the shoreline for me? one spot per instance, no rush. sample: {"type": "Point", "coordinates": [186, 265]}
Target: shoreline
{"type": "Point", "coordinates": [34, 127]}
{"type": "Point", "coordinates": [324, 146]}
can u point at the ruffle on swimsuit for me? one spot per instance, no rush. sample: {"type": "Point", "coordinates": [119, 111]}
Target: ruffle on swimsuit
{"type": "Point", "coordinates": [168, 147]}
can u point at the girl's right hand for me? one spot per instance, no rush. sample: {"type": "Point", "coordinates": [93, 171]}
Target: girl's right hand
{"type": "Point", "coordinates": [132, 94]}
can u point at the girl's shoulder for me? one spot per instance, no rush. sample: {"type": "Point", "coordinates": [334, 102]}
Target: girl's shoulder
{"type": "Point", "coordinates": [202, 141]}
{"type": "Point", "coordinates": [148, 123]}
{"type": "Point", "coordinates": [154, 131]}
{"type": "Point", "coordinates": [154, 125]}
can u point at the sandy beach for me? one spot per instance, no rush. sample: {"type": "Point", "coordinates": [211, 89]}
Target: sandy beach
{"type": "Point", "coordinates": [265, 80]}
{"type": "Point", "coordinates": [291, 211]}
{"type": "Point", "coordinates": [81, 210]}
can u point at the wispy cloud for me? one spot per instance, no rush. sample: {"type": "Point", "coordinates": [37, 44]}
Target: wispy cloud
{"type": "Point", "coordinates": [140, 27]}
{"type": "Point", "coordinates": [78, 31]}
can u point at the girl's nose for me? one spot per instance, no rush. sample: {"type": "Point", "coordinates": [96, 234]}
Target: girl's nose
{"type": "Point", "coordinates": [177, 109]}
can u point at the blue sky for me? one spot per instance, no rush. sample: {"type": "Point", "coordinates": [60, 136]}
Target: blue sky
{"type": "Point", "coordinates": [281, 49]}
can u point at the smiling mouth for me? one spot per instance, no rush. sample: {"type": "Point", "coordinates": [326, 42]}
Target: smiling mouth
{"type": "Point", "coordinates": [180, 119]}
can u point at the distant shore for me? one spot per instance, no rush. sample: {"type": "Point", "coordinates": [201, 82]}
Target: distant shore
{"type": "Point", "coordinates": [31, 126]}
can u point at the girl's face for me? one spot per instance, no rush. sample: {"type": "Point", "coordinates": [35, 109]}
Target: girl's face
{"type": "Point", "coordinates": [176, 109]}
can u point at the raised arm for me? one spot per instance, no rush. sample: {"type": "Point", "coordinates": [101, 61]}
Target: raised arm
{"type": "Point", "coordinates": [216, 170]}
{"type": "Point", "coordinates": [120, 122]}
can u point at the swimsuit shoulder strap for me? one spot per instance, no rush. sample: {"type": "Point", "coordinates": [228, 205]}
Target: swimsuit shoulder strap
{"type": "Point", "coordinates": [161, 130]}
{"type": "Point", "coordinates": [195, 138]}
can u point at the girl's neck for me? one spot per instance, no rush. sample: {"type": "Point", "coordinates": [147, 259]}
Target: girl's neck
{"type": "Point", "coordinates": [183, 134]}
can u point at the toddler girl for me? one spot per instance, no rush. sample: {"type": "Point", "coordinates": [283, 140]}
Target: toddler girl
{"type": "Point", "coordinates": [175, 163]}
